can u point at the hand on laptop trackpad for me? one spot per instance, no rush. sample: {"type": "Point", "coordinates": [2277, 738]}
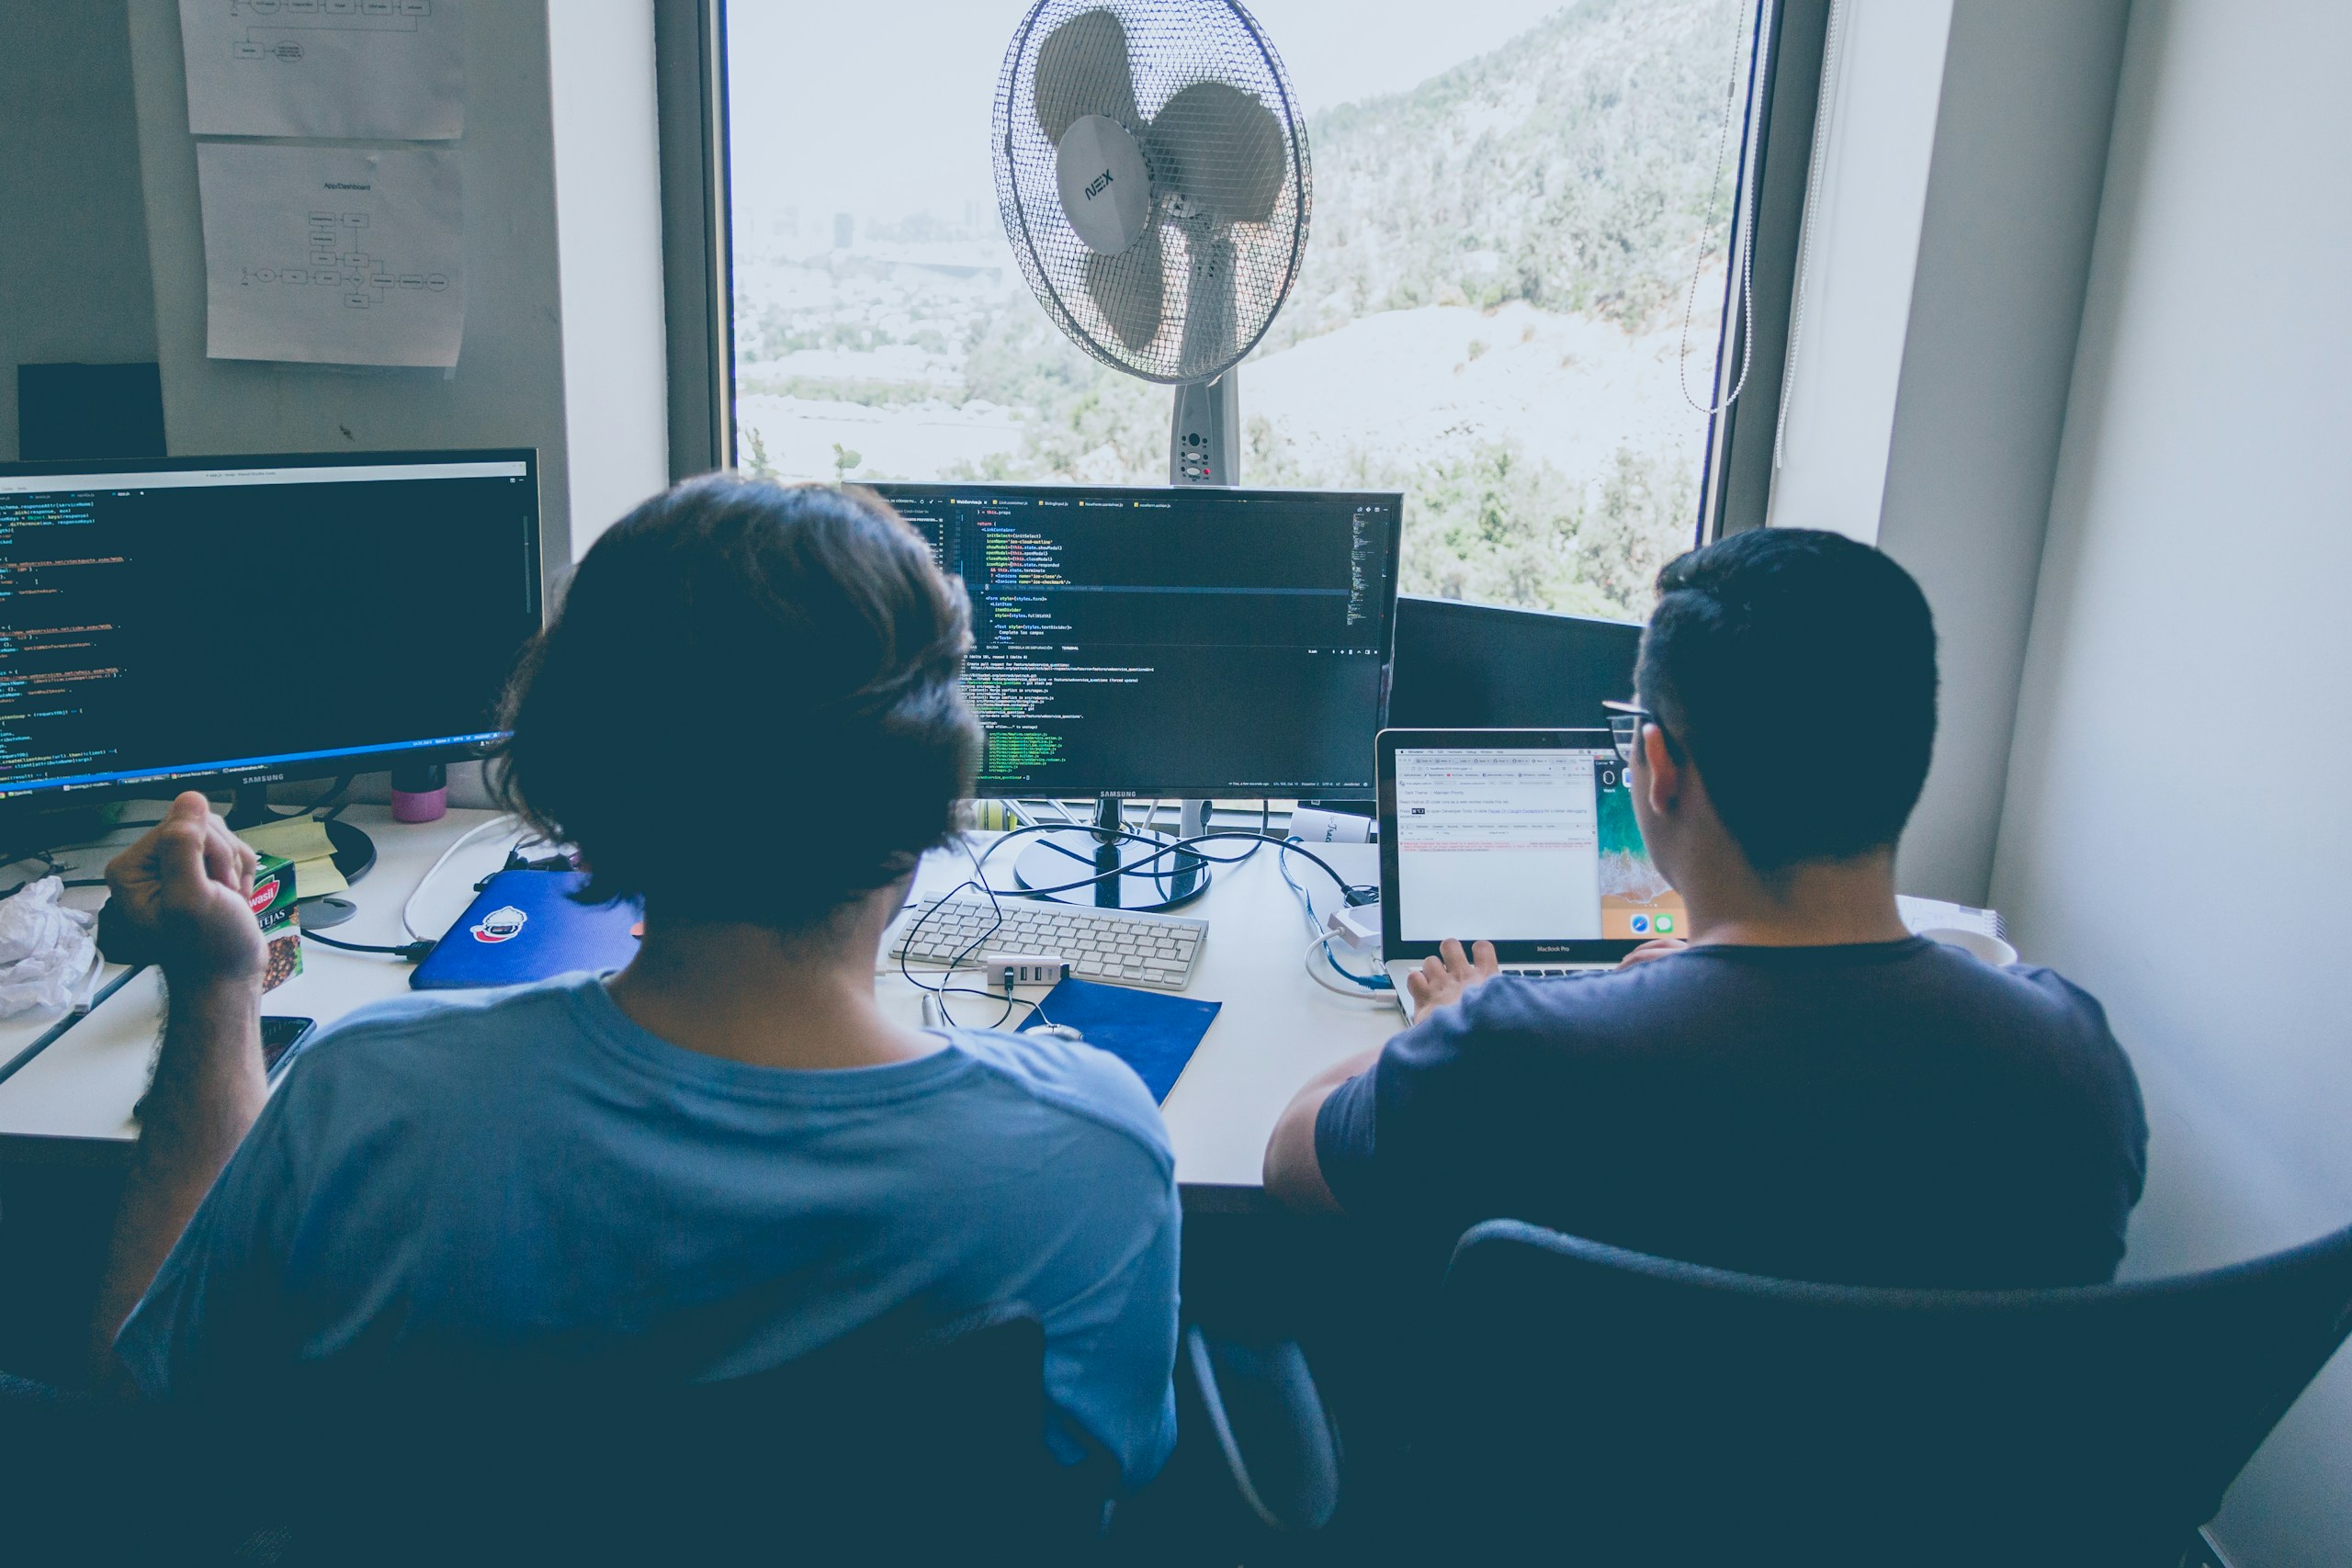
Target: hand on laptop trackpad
{"type": "Point", "coordinates": [1444, 976]}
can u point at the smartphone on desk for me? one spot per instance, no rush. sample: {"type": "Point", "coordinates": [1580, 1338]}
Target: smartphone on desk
{"type": "Point", "coordinates": [279, 1035]}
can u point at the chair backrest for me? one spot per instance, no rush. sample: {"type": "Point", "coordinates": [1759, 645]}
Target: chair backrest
{"type": "Point", "coordinates": [1587, 1397]}
{"type": "Point", "coordinates": [887, 1446]}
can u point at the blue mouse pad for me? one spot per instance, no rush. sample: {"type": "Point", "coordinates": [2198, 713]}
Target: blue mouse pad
{"type": "Point", "coordinates": [523, 925]}
{"type": "Point", "coordinates": [1153, 1033]}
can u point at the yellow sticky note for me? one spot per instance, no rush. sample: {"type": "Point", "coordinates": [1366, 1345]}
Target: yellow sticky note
{"type": "Point", "coordinates": [313, 877]}
{"type": "Point", "coordinates": [298, 839]}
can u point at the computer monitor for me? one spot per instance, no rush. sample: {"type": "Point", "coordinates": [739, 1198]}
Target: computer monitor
{"type": "Point", "coordinates": [174, 622]}
{"type": "Point", "coordinates": [1169, 642]}
{"type": "Point", "coordinates": [1481, 667]}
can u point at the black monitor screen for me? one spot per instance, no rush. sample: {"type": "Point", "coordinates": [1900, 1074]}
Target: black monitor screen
{"type": "Point", "coordinates": [188, 619]}
{"type": "Point", "coordinates": [1480, 666]}
{"type": "Point", "coordinates": [1168, 641]}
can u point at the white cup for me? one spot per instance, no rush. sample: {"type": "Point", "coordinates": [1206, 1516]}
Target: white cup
{"type": "Point", "coordinates": [1991, 949]}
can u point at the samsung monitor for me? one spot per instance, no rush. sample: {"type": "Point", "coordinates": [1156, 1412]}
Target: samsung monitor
{"type": "Point", "coordinates": [228, 622]}
{"type": "Point", "coordinates": [1169, 642]}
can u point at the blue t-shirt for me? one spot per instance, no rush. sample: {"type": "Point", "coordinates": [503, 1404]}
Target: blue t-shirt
{"type": "Point", "coordinates": [513, 1170]}
{"type": "Point", "coordinates": [1885, 1114]}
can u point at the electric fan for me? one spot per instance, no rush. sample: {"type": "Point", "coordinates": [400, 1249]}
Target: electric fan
{"type": "Point", "coordinates": [1151, 172]}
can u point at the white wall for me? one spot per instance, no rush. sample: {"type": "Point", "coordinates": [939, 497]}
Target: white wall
{"type": "Point", "coordinates": [73, 282]}
{"type": "Point", "coordinates": [2175, 835]}
{"type": "Point", "coordinates": [1874, 137]}
{"type": "Point", "coordinates": [608, 229]}
{"type": "Point", "coordinates": [507, 387]}
{"type": "Point", "coordinates": [1987, 353]}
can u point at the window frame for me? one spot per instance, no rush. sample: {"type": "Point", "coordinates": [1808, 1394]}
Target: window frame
{"type": "Point", "coordinates": [1776, 155]}
{"type": "Point", "coordinates": [697, 240]}
{"type": "Point", "coordinates": [1735, 485]}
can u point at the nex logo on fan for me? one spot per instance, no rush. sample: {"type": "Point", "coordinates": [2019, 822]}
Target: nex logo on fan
{"type": "Point", "coordinates": [1101, 182]}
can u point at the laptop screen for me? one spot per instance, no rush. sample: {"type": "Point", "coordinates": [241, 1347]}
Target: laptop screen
{"type": "Point", "coordinates": [1521, 842]}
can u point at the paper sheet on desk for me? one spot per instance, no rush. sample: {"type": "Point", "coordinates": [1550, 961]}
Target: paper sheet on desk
{"type": "Point", "coordinates": [332, 255]}
{"type": "Point", "coordinates": [1930, 914]}
{"type": "Point", "coordinates": [391, 69]}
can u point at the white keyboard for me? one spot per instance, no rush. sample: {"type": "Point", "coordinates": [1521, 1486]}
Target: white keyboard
{"type": "Point", "coordinates": [1127, 947]}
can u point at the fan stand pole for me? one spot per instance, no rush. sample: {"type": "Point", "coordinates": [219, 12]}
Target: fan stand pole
{"type": "Point", "coordinates": [1205, 437]}
{"type": "Point", "coordinates": [1205, 448]}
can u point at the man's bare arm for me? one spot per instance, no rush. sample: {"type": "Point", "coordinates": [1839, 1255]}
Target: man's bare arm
{"type": "Point", "coordinates": [1292, 1172]}
{"type": "Point", "coordinates": [180, 894]}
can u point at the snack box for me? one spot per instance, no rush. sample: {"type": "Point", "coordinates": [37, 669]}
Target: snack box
{"type": "Point", "coordinates": [273, 903]}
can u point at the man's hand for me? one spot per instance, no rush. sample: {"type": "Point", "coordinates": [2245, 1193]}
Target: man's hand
{"type": "Point", "coordinates": [1651, 952]}
{"type": "Point", "coordinates": [1445, 977]}
{"type": "Point", "coordinates": [181, 896]}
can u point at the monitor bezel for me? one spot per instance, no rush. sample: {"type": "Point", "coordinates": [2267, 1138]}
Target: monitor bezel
{"type": "Point", "coordinates": [1180, 788]}
{"type": "Point", "coordinates": [217, 780]}
{"type": "Point", "coordinates": [1393, 945]}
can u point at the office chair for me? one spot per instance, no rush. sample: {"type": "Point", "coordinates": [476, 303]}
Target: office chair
{"type": "Point", "coordinates": [1594, 1405]}
{"type": "Point", "coordinates": [889, 1447]}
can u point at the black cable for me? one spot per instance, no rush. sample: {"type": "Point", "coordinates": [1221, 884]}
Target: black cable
{"type": "Point", "coordinates": [408, 952]}
{"type": "Point", "coordinates": [1353, 892]}
{"type": "Point", "coordinates": [996, 923]}
{"type": "Point", "coordinates": [332, 798]}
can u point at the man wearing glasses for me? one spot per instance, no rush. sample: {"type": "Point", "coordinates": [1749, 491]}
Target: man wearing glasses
{"type": "Point", "coordinates": [1799, 1087]}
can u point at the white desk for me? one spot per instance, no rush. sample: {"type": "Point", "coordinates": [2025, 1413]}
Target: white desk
{"type": "Point", "coordinates": [1277, 1028]}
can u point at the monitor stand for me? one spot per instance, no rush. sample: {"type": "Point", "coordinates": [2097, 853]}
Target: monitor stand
{"type": "Point", "coordinates": [355, 851]}
{"type": "Point", "coordinates": [1074, 853]}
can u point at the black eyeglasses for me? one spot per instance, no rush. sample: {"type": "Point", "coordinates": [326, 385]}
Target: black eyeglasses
{"type": "Point", "coordinates": [1625, 721]}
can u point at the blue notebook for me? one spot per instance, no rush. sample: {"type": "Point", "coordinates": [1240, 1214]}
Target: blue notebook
{"type": "Point", "coordinates": [1152, 1033]}
{"type": "Point", "coordinates": [524, 926]}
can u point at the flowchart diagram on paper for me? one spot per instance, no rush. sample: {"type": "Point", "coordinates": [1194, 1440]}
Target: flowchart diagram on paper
{"type": "Point", "coordinates": [332, 255]}
{"type": "Point", "coordinates": [391, 69]}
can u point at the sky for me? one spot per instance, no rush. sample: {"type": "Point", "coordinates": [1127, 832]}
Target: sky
{"type": "Point", "coordinates": [882, 108]}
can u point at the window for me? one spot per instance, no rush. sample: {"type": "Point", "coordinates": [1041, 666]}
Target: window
{"type": "Point", "coordinates": [1517, 265]}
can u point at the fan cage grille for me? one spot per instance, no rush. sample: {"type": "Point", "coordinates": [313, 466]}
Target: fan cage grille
{"type": "Point", "coordinates": [1173, 44]}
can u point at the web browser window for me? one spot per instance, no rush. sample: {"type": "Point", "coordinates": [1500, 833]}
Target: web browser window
{"type": "Point", "coordinates": [1537, 844]}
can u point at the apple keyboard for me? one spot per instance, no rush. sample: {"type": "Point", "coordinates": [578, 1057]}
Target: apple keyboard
{"type": "Point", "coordinates": [1125, 947]}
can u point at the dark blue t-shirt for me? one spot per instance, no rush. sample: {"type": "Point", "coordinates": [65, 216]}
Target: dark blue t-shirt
{"type": "Point", "coordinates": [1890, 1114]}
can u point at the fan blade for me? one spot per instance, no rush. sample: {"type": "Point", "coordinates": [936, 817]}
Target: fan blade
{"type": "Point", "coordinates": [1221, 149]}
{"type": "Point", "coordinates": [1082, 70]}
{"type": "Point", "coordinates": [1209, 331]}
{"type": "Point", "coordinates": [1131, 290]}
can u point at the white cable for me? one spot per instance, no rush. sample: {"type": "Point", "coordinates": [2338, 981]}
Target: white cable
{"type": "Point", "coordinates": [1743, 224]}
{"type": "Point", "coordinates": [408, 910]}
{"type": "Point", "coordinates": [1362, 991]}
{"type": "Point", "coordinates": [1826, 120]}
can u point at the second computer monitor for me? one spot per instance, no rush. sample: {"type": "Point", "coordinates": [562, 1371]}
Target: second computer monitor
{"type": "Point", "coordinates": [1169, 641]}
{"type": "Point", "coordinates": [1482, 667]}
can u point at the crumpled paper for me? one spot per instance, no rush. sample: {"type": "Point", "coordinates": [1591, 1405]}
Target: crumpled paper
{"type": "Point", "coordinates": [48, 957]}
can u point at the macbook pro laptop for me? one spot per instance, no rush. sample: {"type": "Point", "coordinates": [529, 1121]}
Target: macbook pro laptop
{"type": "Point", "coordinates": [1523, 837]}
